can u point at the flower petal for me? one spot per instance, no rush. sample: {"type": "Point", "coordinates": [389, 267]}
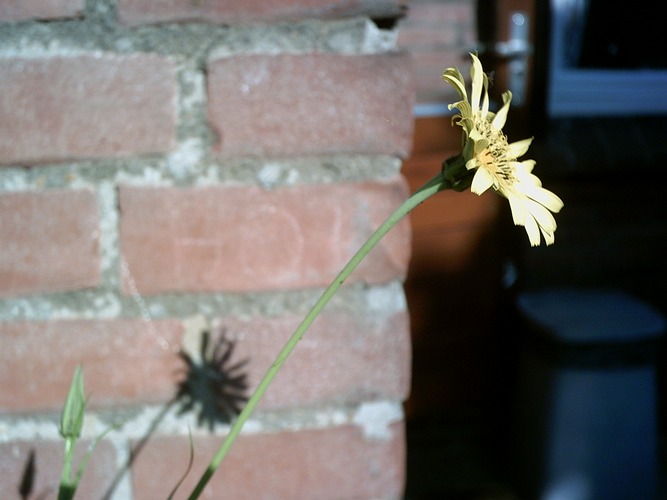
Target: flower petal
{"type": "Point", "coordinates": [536, 192]}
{"type": "Point", "coordinates": [454, 77]}
{"type": "Point", "coordinates": [519, 212]}
{"type": "Point", "coordinates": [549, 238]}
{"type": "Point", "coordinates": [501, 116]}
{"type": "Point", "coordinates": [524, 175]}
{"type": "Point", "coordinates": [482, 181]}
{"type": "Point", "coordinates": [469, 152]}
{"type": "Point", "coordinates": [541, 215]}
{"type": "Point", "coordinates": [528, 166]}
{"type": "Point", "coordinates": [519, 148]}
{"type": "Point", "coordinates": [464, 108]}
{"type": "Point", "coordinates": [477, 76]}
{"type": "Point", "coordinates": [546, 198]}
{"type": "Point", "coordinates": [485, 98]}
{"type": "Point", "coordinates": [533, 231]}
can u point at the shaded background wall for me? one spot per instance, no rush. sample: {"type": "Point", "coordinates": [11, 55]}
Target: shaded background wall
{"type": "Point", "coordinates": [469, 262]}
{"type": "Point", "coordinates": [612, 231]}
{"type": "Point", "coordinates": [456, 251]}
{"type": "Point", "coordinates": [454, 285]}
{"type": "Point", "coordinates": [176, 168]}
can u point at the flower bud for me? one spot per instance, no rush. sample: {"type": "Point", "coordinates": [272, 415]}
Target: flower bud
{"type": "Point", "coordinates": [456, 175]}
{"type": "Point", "coordinates": [71, 419]}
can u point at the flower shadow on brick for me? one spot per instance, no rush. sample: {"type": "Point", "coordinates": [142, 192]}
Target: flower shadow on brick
{"type": "Point", "coordinates": [210, 386]}
{"type": "Point", "coordinates": [213, 387]}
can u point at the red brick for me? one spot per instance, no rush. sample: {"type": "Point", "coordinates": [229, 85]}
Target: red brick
{"type": "Point", "coordinates": [11, 10]}
{"type": "Point", "coordinates": [321, 464]}
{"type": "Point", "coordinates": [86, 106]}
{"type": "Point", "coordinates": [431, 36]}
{"type": "Point", "coordinates": [248, 239]}
{"type": "Point", "coordinates": [48, 463]}
{"type": "Point", "coordinates": [311, 104]}
{"type": "Point", "coordinates": [135, 12]}
{"type": "Point", "coordinates": [438, 12]}
{"type": "Point", "coordinates": [50, 241]}
{"type": "Point", "coordinates": [122, 360]}
{"type": "Point", "coordinates": [428, 65]}
{"type": "Point", "coordinates": [343, 358]}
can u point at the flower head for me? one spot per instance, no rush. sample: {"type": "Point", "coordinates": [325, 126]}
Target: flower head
{"type": "Point", "coordinates": [495, 161]}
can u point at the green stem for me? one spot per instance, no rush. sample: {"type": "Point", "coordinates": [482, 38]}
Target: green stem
{"type": "Point", "coordinates": [438, 183]}
{"type": "Point", "coordinates": [66, 489]}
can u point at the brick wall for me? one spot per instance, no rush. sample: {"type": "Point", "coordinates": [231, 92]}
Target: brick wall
{"type": "Point", "coordinates": [438, 34]}
{"type": "Point", "coordinates": [172, 167]}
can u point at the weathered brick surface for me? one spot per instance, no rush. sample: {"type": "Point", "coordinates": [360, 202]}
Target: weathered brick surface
{"type": "Point", "coordinates": [428, 68]}
{"type": "Point", "coordinates": [343, 358]}
{"type": "Point", "coordinates": [252, 11]}
{"type": "Point", "coordinates": [333, 463]}
{"type": "Point", "coordinates": [49, 240]}
{"type": "Point", "coordinates": [11, 10]}
{"type": "Point", "coordinates": [85, 106]}
{"type": "Point", "coordinates": [436, 34]}
{"type": "Point", "coordinates": [427, 13]}
{"type": "Point", "coordinates": [122, 360]}
{"type": "Point", "coordinates": [244, 238]}
{"type": "Point", "coordinates": [311, 104]}
{"type": "Point", "coordinates": [47, 462]}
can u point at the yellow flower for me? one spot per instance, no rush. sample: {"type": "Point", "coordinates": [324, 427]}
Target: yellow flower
{"type": "Point", "coordinates": [487, 150]}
